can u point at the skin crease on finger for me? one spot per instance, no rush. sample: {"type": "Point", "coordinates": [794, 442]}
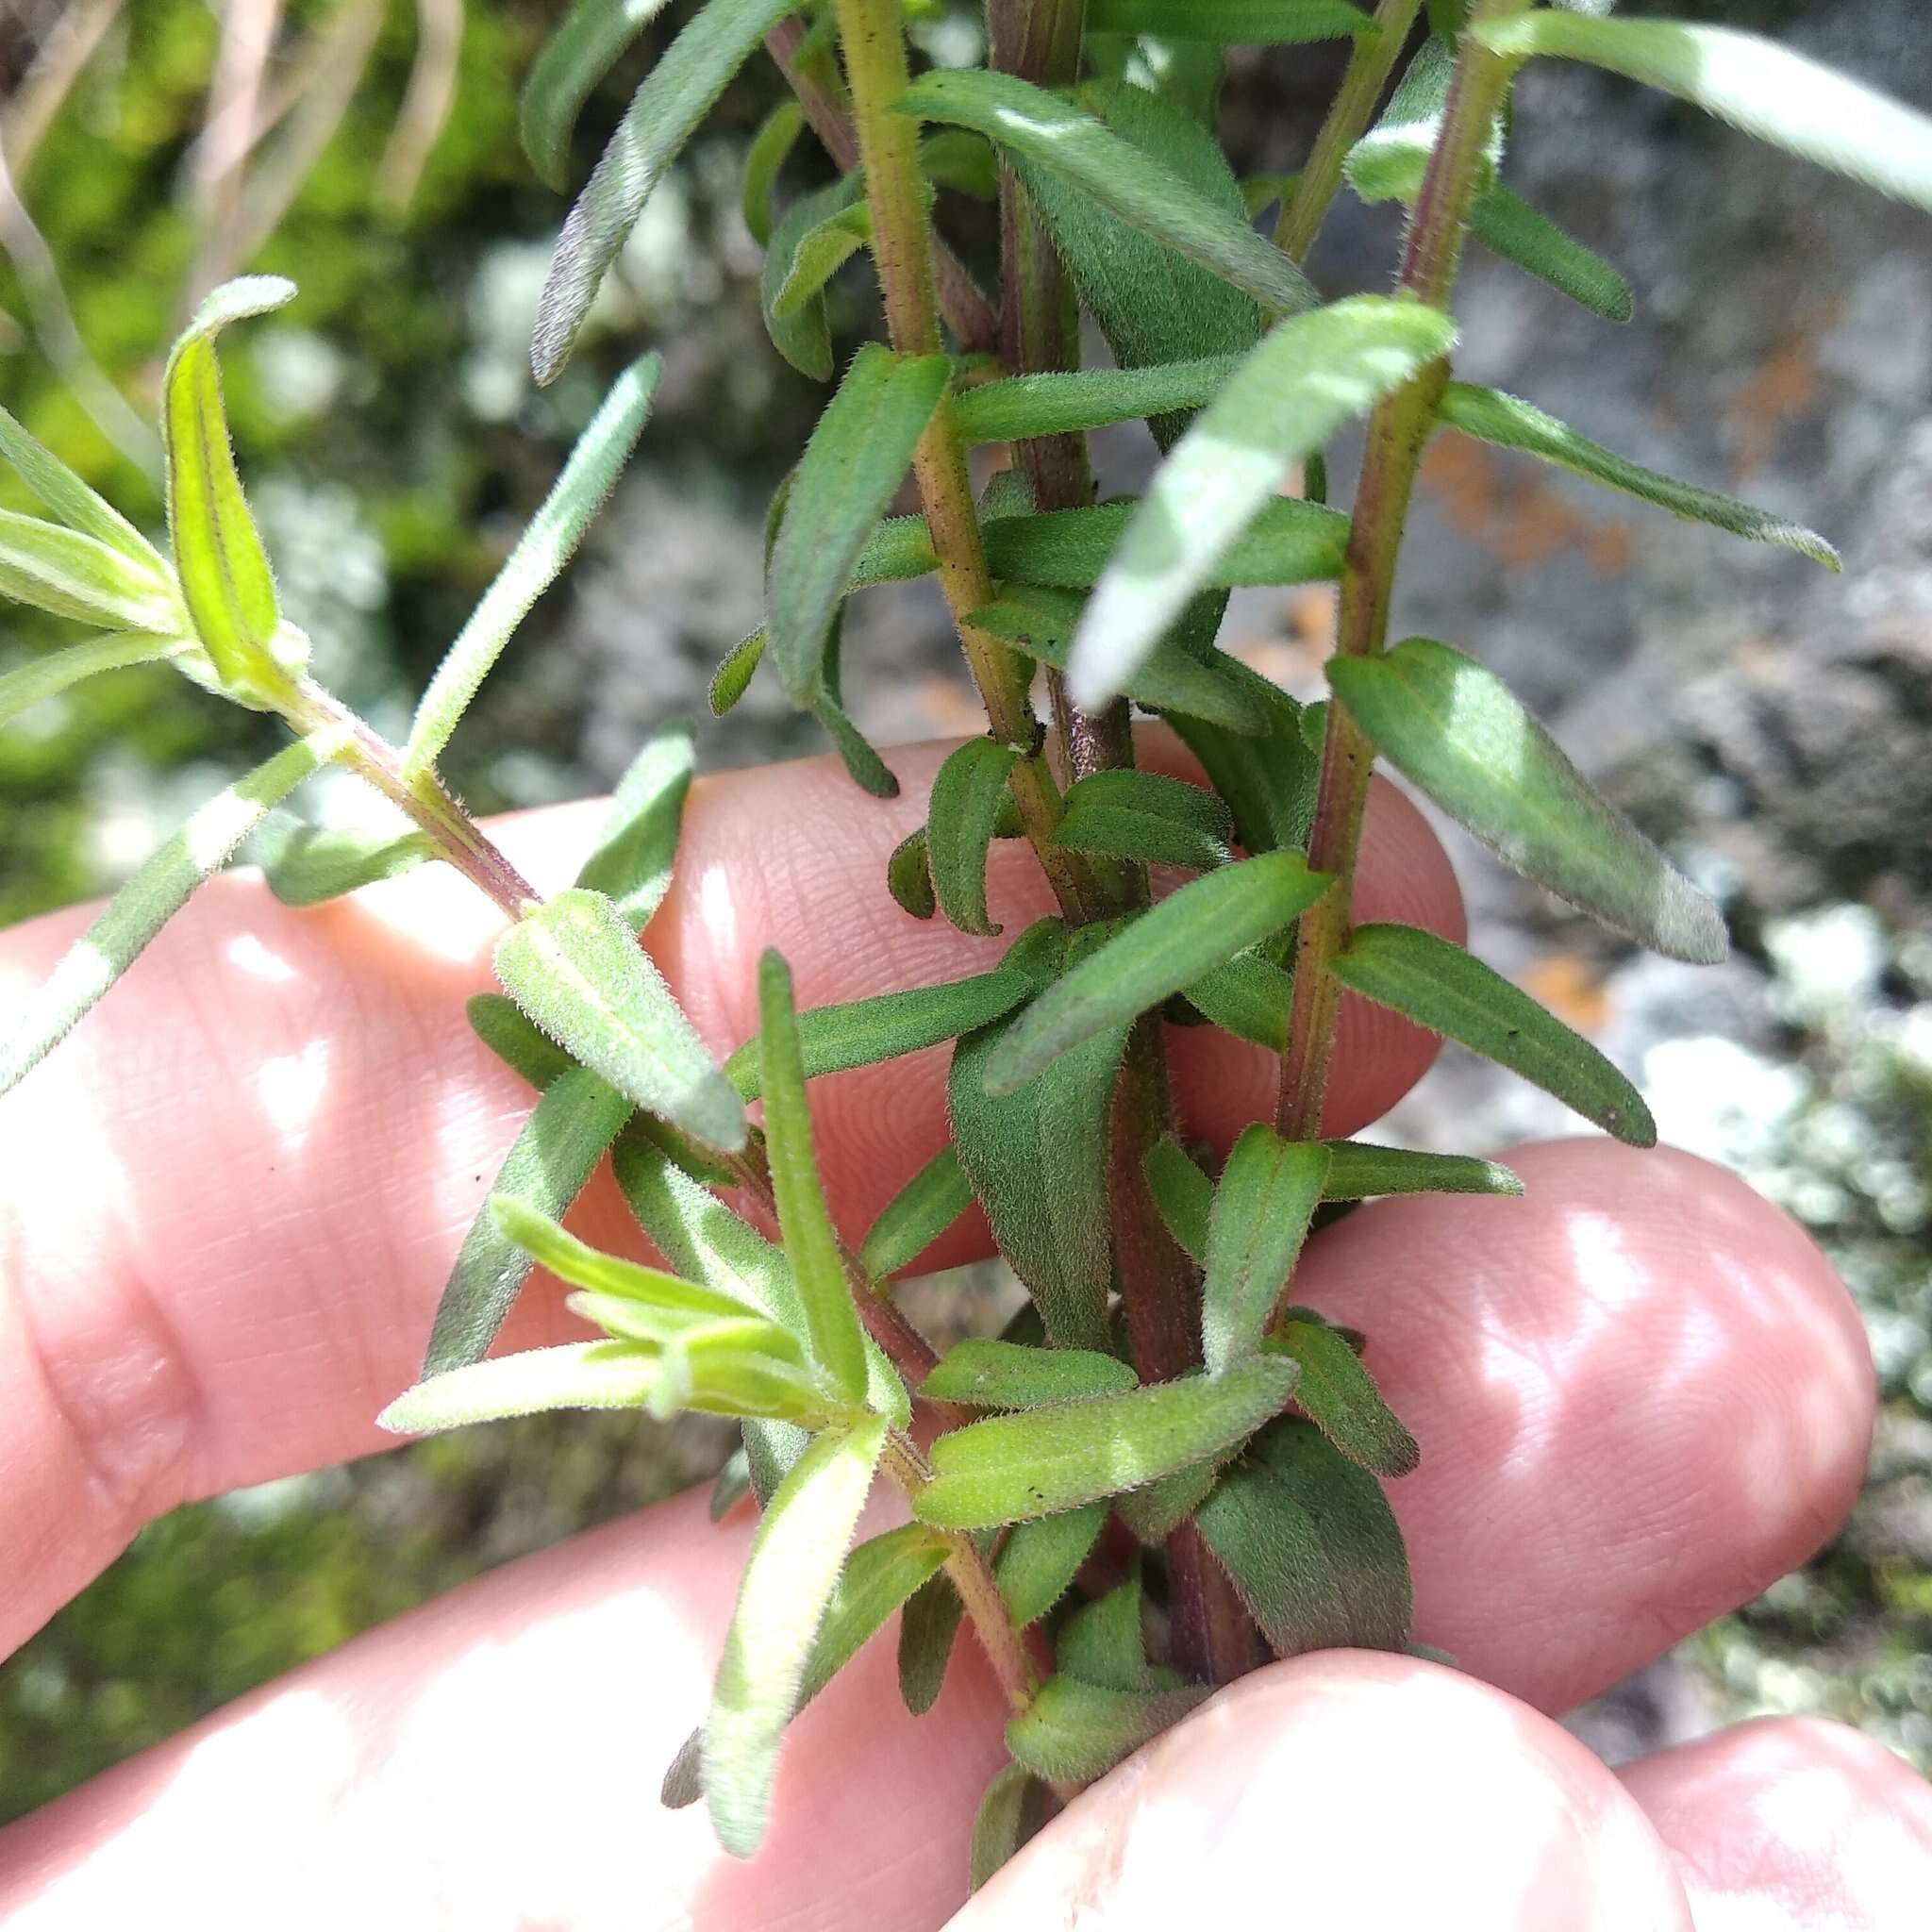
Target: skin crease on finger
{"type": "Point", "coordinates": [234, 1195]}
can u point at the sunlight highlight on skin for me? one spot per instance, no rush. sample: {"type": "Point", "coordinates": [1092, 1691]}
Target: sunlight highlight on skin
{"type": "Point", "coordinates": [247, 951]}
{"type": "Point", "coordinates": [291, 1086]}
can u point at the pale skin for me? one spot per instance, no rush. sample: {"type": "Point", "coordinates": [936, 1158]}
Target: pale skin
{"type": "Point", "coordinates": [231, 1200]}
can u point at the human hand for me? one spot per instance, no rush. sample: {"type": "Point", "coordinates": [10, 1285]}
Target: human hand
{"type": "Point", "coordinates": [229, 1207]}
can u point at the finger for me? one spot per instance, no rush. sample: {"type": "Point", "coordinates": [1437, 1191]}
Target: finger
{"type": "Point", "coordinates": [1792, 1825]}
{"type": "Point", "coordinates": [1642, 1395]}
{"type": "Point", "coordinates": [1348, 1789]}
{"type": "Point", "coordinates": [233, 1197]}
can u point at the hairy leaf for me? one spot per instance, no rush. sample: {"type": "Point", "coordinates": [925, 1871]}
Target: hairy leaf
{"type": "Point", "coordinates": [73, 502]}
{"type": "Point", "coordinates": [498, 1022]}
{"type": "Point", "coordinates": [44, 677]}
{"type": "Point", "coordinates": [1512, 424]}
{"type": "Point", "coordinates": [916, 1215]}
{"type": "Point", "coordinates": [814, 256]}
{"type": "Point", "coordinates": [961, 820]}
{"type": "Point", "coordinates": [78, 577]}
{"type": "Point", "coordinates": [1038, 1560]}
{"type": "Point", "coordinates": [1310, 1541]}
{"type": "Point", "coordinates": [1311, 374]}
{"type": "Point", "coordinates": [1267, 1193]}
{"type": "Point", "coordinates": [927, 1631]}
{"type": "Point", "coordinates": [1183, 1193]}
{"type": "Point", "coordinates": [733, 678]}
{"type": "Point", "coordinates": [1146, 817]}
{"type": "Point", "coordinates": [909, 877]}
{"type": "Point", "coordinates": [1011, 1468]}
{"type": "Point", "coordinates": [776, 137]}
{"type": "Point", "coordinates": [1507, 226]}
{"type": "Point", "coordinates": [575, 1375]}
{"type": "Point", "coordinates": [1456, 729]}
{"type": "Point", "coordinates": [1442, 988]}
{"type": "Point", "coordinates": [1005, 1375]}
{"type": "Point", "coordinates": [1357, 1170]}
{"type": "Point", "coordinates": [1102, 1642]}
{"type": "Point", "coordinates": [1389, 163]}
{"type": "Point", "coordinates": [632, 864]}
{"type": "Point", "coordinates": [1208, 921]}
{"type": "Point", "coordinates": [1248, 996]}
{"type": "Point", "coordinates": [1060, 403]}
{"type": "Point", "coordinates": [999, 1821]}
{"type": "Point", "coordinates": [1339, 1396]}
{"type": "Point", "coordinates": [693, 71]}
{"type": "Point", "coordinates": [1077, 1731]}
{"type": "Point", "coordinates": [803, 334]}
{"type": "Point", "coordinates": [580, 53]}
{"type": "Point", "coordinates": [544, 549]}
{"type": "Point", "coordinates": [878, 1578]}
{"type": "Point", "coordinates": [1287, 542]}
{"type": "Point", "coordinates": [1156, 1512]}
{"type": "Point", "coordinates": [306, 865]}
{"type": "Point", "coordinates": [684, 1776]}
{"type": "Point", "coordinates": [1244, 23]}
{"type": "Point", "coordinates": [787, 1583]}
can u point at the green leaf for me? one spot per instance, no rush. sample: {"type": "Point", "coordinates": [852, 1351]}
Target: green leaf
{"type": "Point", "coordinates": [1153, 306]}
{"type": "Point", "coordinates": [862, 1032]}
{"type": "Point", "coordinates": [158, 891]}
{"type": "Point", "coordinates": [499, 1024]}
{"type": "Point", "coordinates": [1357, 1171]}
{"type": "Point", "coordinates": [678, 93]}
{"type": "Point", "coordinates": [816, 255]}
{"type": "Point", "coordinates": [1310, 1541]}
{"type": "Point", "coordinates": [78, 577]}
{"type": "Point", "coordinates": [1156, 1512]}
{"type": "Point", "coordinates": [1442, 988]}
{"type": "Point", "coordinates": [964, 162]}
{"type": "Point", "coordinates": [1337, 1395]}
{"type": "Point", "coordinates": [1183, 1193]}
{"type": "Point", "coordinates": [632, 864]}
{"type": "Point", "coordinates": [1011, 1468]}
{"type": "Point", "coordinates": [1457, 731]}
{"type": "Point", "coordinates": [1059, 404]}
{"type": "Point", "coordinates": [1005, 1375]}
{"type": "Point", "coordinates": [306, 865]}
{"type": "Point", "coordinates": [771, 1453]}
{"type": "Point", "coordinates": [1267, 1193]}
{"type": "Point", "coordinates": [960, 824]}
{"type": "Point", "coordinates": [1046, 132]}
{"type": "Point", "coordinates": [1779, 96]}
{"type": "Point", "coordinates": [1236, 23]}
{"type": "Point", "coordinates": [684, 1776]}
{"type": "Point", "coordinates": [878, 1578]}
{"type": "Point", "coordinates": [1102, 1643]}
{"type": "Point", "coordinates": [1512, 424]}
{"type": "Point", "coordinates": [701, 1238]}
{"type": "Point", "coordinates": [811, 1245]}
{"type": "Point", "coordinates": [802, 335]}
{"type": "Point", "coordinates": [577, 1374]}
{"type": "Point", "coordinates": [732, 1487]}
{"type": "Point", "coordinates": [909, 877]}
{"type": "Point", "coordinates": [747, 1368]}
{"type": "Point", "coordinates": [1507, 226]}
{"type": "Point", "coordinates": [1038, 1161]}
{"type": "Point", "coordinates": [1389, 163]}
{"type": "Point", "coordinates": [576, 968]}
{"type": "Point", "coordinates": [72, 501]}
{"type": "Point", "coordinates": [916, 1215]}
{"type": "Point", "coordinates": [926, 1634]}
{"type": "Point", "coordinates": [733, 678]}
{"type": "Point", "coordinates": [1311, 374]}
{"type": "Point", "coordinates": [1146, 817]}
{"type": "Point", "coordinates": [1040, 621]}
{"type": "Point", "coordinates": [44, 677]}
{"type": "Point", "coordinates": [541, 553]}
{"type": "Point", "coordinates": [1076, 1730]}
{"type": "Point", "coordinates": [1038, 1560]}
{"type": "Point", "coordinates": [579, 54]}
{"type": "Point", "coordinates": [224, 574]}
{"type": "Point", "coordinates": [554, 1155]}
{"type": "Point", "coordinates": [782, 1599]}
{"type": "Point", "coordinates": [1208, 921]}
{"type": "Point", "coordinates": [854, 462]}
{"type": "Point", "coordinates": [1248, 996]}
{"type": "Point", "coordinates": [998, 1822]}
{"type": "Point", "coordinates": [863, 765]}
{"type": "Point", "coordinates": [777, 136]}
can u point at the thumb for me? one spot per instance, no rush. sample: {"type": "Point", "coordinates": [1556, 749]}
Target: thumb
{"type": "Point", "coordinates": [1347, 1789]}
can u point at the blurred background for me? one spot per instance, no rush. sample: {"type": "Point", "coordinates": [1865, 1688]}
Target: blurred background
{"type": "Point", "coordinates": [1772, 726]}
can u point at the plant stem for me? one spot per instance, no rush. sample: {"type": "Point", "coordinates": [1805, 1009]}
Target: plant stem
{"type": "Point", "coordinates": [1397, 431]}
{"type": "Point", "coordinates": [1370, 62]}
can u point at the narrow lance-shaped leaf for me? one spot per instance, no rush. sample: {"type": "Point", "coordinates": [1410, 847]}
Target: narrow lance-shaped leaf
{"type": "Point", "coordinates": [859, 452]}
{"type": "Point", "coordinates": [986, 1374]}
{"type": "Point", "coordinates": [1146, 817]}
{"type": "Point", "coordinates": [544, 549]}
{"type": "Point", "coordinates": [77, 505]}
{"type": "Point", "coordinates": [1262, 1205]}
{"type": "Point", "coordinates": [1310, 375]}
{"type": "Point", "coordinates": [1311, 1545]}
{"type": "Point", "coordinates": [499, 1023]}
{"type": "Point", "coordinates": [998, 1822]}
{"type": "Point", "coordinates": [582, 50]}
{"type": "Point", "coordinates": [811, 1246]}
{"type": "Point", "coordinates": [78, 577]}
{"type": "Point", "coordinates": [1208, 921]}
{"type": "Point", "coordinates": [1507, 226]}
{"type": "Point", "coordinates": [1510, 423]}
{"type": "Point", "coordinates": [777, 136]}
{"type": "Point", "coordinates": [1389, 163]}
{"type": "Point", "coordinates": [909, 877]}
{"type": "Point", "coordinates": [1080, 1731]}
{"type": "Point", "coordinates": [862, 1032]}
{"type": "Point", "coordinates": [1183, 1193]}
{"type": "Point", "coordinates": [1038, 1560]}
{"type": "Point", "coordinates": [1234, 23]}
{"type": "Point", "coordinates": [1753, 84]}
{"type": "Point", "coordinates": [1011, 1468]}
{"type": "Point", "coordinates": [1357, 1171]}
{"type": "Point", "coordinates": [677, 94]}
{"type": "Point", "coordinates": [1340, 1397]}
{"type": "Point", "coordinates": [880, 1576]}
{"type": "Point", "coordinates": [1154, 1513]}
{"type": "Point", "coordinates": [138, 910]}
{"type": "Point", "coordinates": [577, 1374]}
{"type": "Point", "coordinates": [1248, 996]}
{"type": "Point", "coordinates": [1050, 133]}
{"type": "Point", "coordinates": [1060, 403]}
{"type": "Point", "coordinates": [817, 255]}
{"type": "Point", "coordinates": [632, 864]}
{"type": "Point", "coordinates": [1102, 1642]}
{"type": "Point", "coordinates": [802, 334]}
{"type": "Point", "coordinates": [1442, 988]}
{"type": "Point", "coordinates": [916, 1216]}
{"type": "Point", "coordinates": [554, 1155]}
{"type": "Point", "coordinates": [225, 571]}
{"type": "Point", "coordinates": [1456, 729]}
{"type": "Point", "coordinates": [306, 865]}
{"type": "Point", "coordinates": [733, 677]}
{"type": "Point", "coordinates": [961, 820]}
{"type": "Point", "coordinates": [576, 968]}
{"type": "Point", "coordinates": [927, 1633]}
{"type": "Point", "coordinates": [789, 1580]}
{"type": "Point", "coordinates": [40, 679]}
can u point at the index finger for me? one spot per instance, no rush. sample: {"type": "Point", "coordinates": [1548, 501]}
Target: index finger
{"type": "Point", "coordinates": [234, 1195]}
